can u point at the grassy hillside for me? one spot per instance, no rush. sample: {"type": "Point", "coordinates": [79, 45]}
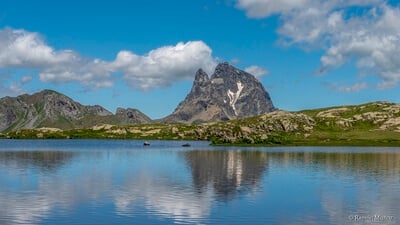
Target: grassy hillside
{"type": "Point", "coordinates": [372, 124]}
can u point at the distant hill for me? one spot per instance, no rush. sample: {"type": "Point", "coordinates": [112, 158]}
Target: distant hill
{"type": "Point", "coordinates": [230, 93]}
{"type": "Point", "coordinates": [52, 109]}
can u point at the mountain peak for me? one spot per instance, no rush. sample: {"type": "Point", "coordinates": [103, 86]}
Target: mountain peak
{"type": "Point", "coordinates": [230, 93]}
{"type": "Point", "coordinates": [222, 66]}
{"type": "Point", "coordinates": [224, 69]}
{"type": "Point", "coordinates": [201, 76]}
{"type": "Point", "coordinates": [131, 116]}
{"type": "Point", "coordinates": [46, 92]}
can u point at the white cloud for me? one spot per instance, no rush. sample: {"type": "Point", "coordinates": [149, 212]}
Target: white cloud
{"type": "Point", "coordinates": [257, 71]}
{"type": "Point", "coordinates": [19, 48]}
{"type": "Point", "coordinates": [28, 50]}
{"type": "Point", "coordinates": [316, 23]}
{"type": "Point", "coordinates": [26, 79]}
{"type": "Point", "coordinates": [165, 65]}
{"type": "Point", "coordinates": [234, 61]}
{"type": "Point", "coordinates": [362, 31]}
{"type": "Point", "coordinates": [374, 43]}
{"type": "Point", "coordinates": [91, 73]}
{"type": "Point", "coordinates": [263, 8]}
{"type": "Point", "coordinates": [349, 89]}
{"type": "Point", "coordinates": [160, 67]}
{"type": "Point", "coordinates": [13, 88]}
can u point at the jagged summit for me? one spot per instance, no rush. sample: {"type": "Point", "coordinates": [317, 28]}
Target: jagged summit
{"type": "Point", "coordinates": [225, 69]}
{"type": "Point", "coordinates": [228, 94]}
{"type": "Point", "coordinates": [201, 76]}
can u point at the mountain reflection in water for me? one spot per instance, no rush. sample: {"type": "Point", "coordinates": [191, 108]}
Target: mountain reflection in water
{"type": "Point", "coordinates": [228, 172]}
{"type": "Point", "coordinates": [43, 160]}
{"type": "Point", "coordinates": [209, 186]}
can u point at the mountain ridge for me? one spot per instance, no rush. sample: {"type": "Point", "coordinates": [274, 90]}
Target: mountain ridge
{"type": "Point", "coordinates": [49, 108]}
{"type": "Point", "coordinates": [229, 93]}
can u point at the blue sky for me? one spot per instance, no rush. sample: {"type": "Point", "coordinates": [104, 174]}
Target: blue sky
{"type": "Point", "coordinates": [144, 54]}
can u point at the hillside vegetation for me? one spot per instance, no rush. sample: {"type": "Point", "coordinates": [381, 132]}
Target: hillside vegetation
{"type": "Point", "coordinates": [372, 124]}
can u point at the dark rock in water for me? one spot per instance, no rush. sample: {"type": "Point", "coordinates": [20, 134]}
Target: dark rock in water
{"type": "Point", "coordinates": [230, 93]}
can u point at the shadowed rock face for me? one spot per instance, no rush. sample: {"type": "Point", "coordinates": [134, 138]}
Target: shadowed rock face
{"type": "Point", "coordinates": [230, 93]}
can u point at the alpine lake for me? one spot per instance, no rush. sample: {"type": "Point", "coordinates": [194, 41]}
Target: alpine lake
{"type": "Point", "coordinates": [124, 182]}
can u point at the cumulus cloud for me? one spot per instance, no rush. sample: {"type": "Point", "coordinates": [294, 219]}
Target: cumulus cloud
{"type": "Point", "coordinates": [374, 43]}
{"type": "Point", "coordinates": [362, 31]}
{"type": "Point", "coordinates": [28, 50]}
{"type": "Point", "coordinates": [22, 49]}
{"type": "Point", "coordinates": [91, 73]}
{"type": "Point", "coordinates": [19, 48]}
{"type": "Point", "coordinates": [165, 65]}
{"type": "Point", "coordinates": [257, 71]}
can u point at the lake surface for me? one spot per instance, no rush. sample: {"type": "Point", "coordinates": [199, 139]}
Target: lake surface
{"type": "Point", "coordinates": [123, 182]}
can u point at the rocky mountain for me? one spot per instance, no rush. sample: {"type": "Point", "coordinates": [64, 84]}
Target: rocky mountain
{"type": "Point", "coordinates": [131, 116]}
{"type": "Point", "coordinates": [52, 109]}
{"type": "Point", "coordinates": [228, 94]}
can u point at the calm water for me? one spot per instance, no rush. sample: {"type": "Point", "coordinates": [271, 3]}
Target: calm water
{"type": "Point", "coordinates": [122, 182]}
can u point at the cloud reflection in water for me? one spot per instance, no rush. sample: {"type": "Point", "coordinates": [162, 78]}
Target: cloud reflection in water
{"type": "Point", "coordinates": [189, 186]}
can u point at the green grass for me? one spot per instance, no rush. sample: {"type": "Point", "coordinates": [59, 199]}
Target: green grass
{"type": "Point", "coordinates": [354, 137]}
{"type": "Point", "coordinates": [252, 131]}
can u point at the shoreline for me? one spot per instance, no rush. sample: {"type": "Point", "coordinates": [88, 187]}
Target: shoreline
{"type": "Point", "coordinates": [314, 143]}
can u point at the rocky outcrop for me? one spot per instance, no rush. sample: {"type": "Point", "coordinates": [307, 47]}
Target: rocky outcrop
{"type": "Point", "coordinates": [131, 116]}
{"type": "Point", "coordinates": [383, 114]}
{"type": "Point", "coordinates": [260, 129]}
{"type": "Point", "coordinates": [230, 93]}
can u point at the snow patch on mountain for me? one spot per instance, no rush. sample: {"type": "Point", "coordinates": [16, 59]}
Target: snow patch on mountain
{"type": "Point", "coordinates": [234, 96]}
